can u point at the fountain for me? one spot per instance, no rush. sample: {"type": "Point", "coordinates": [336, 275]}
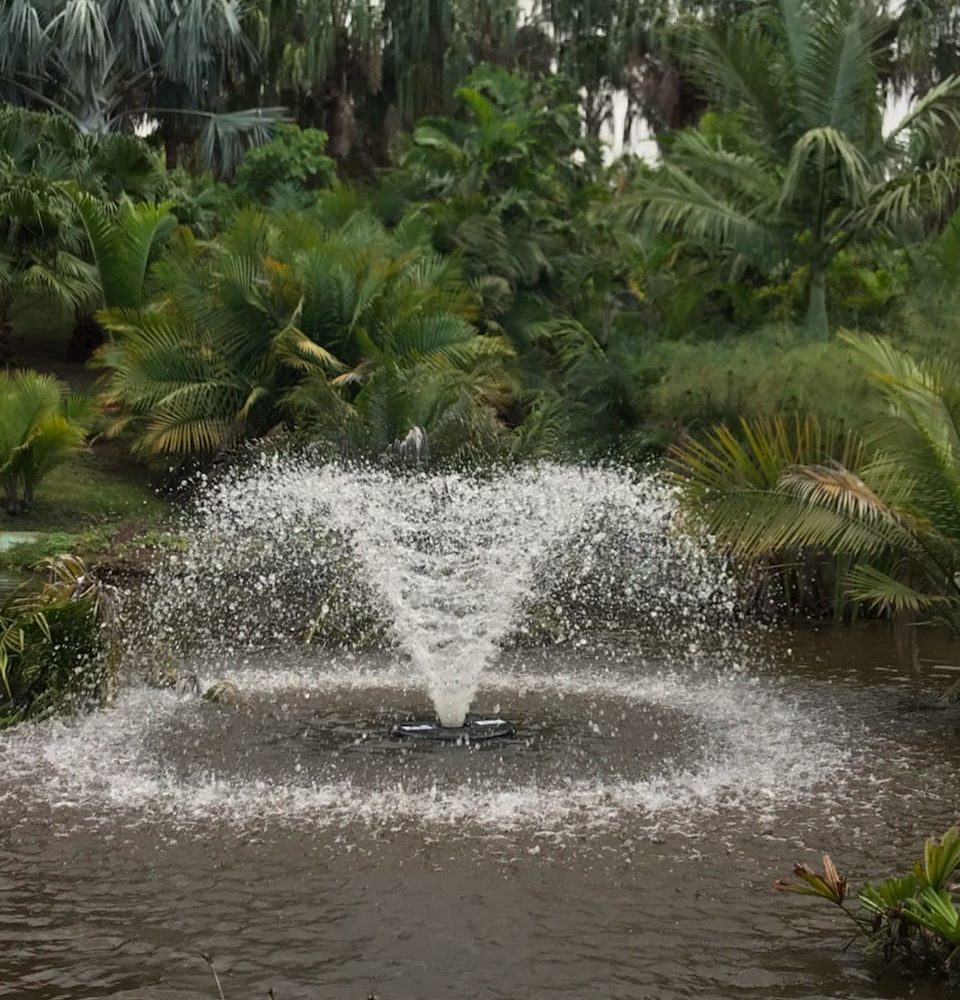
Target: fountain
{"type": "Point", "coordinates": [451, 562]}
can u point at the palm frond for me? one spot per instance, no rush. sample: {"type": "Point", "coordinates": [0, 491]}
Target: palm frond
{"type": "Point", "coordinates": [836, 76]}
{"type": "Point", "coordinates": [755, 458]}
{"type": "Point", "coordinates": [122, 241]}
{"type": "Point", "coordinates": [757, 523]}
{"type": "Point", "coordinates": [909, 195]}
{"type": "Point", "coordinates": [826, 149]}
{"type": "Point", "coordinates": [882, 592]}
{"type": "Point", "coordinates": [738, 63]}
{"type": "Point", "coordinates": [678, 203]}
{"type": "Point", "coordinates": [225, 136]}
{"type": "Point", "coordinates": [931, 116]}
{"type": "Point", "coordinates": [747, 176]}
{"type": "Point", "coordinates": [24, 44]}
{"type": "Point", "coordinates": [837, 488]}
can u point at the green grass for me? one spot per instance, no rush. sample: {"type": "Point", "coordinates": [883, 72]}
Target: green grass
{"type": "Point", "coordinates": [98, 505]}
{"type": "Point", "coordinates": [122, 545]}
{"type": "Point", "coordinates": [99, 486]}
{"type": "Point", "coordinates": [42, 332]}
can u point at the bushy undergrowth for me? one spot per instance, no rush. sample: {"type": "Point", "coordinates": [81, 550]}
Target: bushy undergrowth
{"type": "Point", "coordinates": [881, 501]}
{"type": "Point", "coordinates": [693, 384]}
{"type": "Point", "coordinates": [57, 650]}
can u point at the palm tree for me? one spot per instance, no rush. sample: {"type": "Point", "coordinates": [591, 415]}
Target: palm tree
{"type": "Point", "coordinates": [433, 45]}
{"type": "Point", "coordinates": [45, 167]}
{"type": "Point", "coordinates": [927, 51]}
{"type": "Point", "coordinates": [891, 506]}
{"type": "Point", "coordinates": [40, 426]}
{"type": "Point", "coordinates": [418, 368]}
{"type": "Point", "coordinates": [603, 47]}
{"type": "Point", "coordinates": [122, 239]}
{"type": "Point", "coordinates": [803, 166]}
{"type": "Point", "coordinates": [107, 65]}
{"type": "Point", "coordinates": [40, 252]}
{"type": "Point", "coordinates": [297, 320]}
{"type": "Point", "coordinates": [323, 59]}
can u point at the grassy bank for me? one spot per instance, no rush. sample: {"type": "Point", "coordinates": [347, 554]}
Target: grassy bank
{"type": "Point", "coordinates": [98, 505]}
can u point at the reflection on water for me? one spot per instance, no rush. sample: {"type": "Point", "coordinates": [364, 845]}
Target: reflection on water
{"type": "Point", "coordinates": [623, 846]}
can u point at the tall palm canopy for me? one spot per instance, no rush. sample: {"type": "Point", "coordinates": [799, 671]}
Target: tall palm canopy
{"type": "Point", "coordinates": [108, 63]}
{"type": "Point", "coordinates": [800, 164]}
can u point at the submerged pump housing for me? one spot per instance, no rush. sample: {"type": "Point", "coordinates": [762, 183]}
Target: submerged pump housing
{"type": "Point", "coordinates": [475, 729]}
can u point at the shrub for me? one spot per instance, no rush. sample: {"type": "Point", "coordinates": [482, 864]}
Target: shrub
{"type": "Point", "coordinates": [40, 426]}
{"type": "Point", "coordinates": [56, 645]}
{"type": "Point", "coordinates": [911, 919]}
{"type": "Point", "coordinates": [294, 157]}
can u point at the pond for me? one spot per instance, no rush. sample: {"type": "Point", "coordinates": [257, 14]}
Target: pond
{"type": "Point", "coordinates": [622, 844]}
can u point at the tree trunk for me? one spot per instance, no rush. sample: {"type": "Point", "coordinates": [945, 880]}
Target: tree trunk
{"type": "Point", "coordinates": [6, 330]}
{"type": "Point", "coordinates": [905, 640]}
{"type": "Point", "coordinates": [817, 324]}
{"type": "Point", "coordinates": [6, 342]}
{"type": "Point", "coordinates": [10, 495]}
{"type": "Point", "coordinates": [86, 337]}
{"type": "Point", "coordinates": [171, 148]}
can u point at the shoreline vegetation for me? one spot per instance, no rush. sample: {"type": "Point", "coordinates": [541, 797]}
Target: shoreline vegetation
{"type": "Point", "coordinates": [96, 505]}
{"type": "Point", "coordinates": [910, 920]}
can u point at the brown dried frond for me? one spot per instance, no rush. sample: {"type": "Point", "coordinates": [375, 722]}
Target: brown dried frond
{"type": "Point", "coordinates": [837, 487]}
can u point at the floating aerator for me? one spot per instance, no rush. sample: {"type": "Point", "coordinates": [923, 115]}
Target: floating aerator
{"type": "Point", "coordinates": [476, 729]}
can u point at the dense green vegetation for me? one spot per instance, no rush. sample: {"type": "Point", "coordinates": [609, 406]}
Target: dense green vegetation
{"type": "Point", "coordinates": [885, 502]}
{"type": "Point", "coordinates": [798, 164]}
{"type": "Point", "coordinates": [344, 222]}
{"type": "Point", "coordinates": [56, 647]}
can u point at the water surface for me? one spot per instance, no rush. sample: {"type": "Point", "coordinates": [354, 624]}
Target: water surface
{"type": "Point", "coordinates": [623, 845]}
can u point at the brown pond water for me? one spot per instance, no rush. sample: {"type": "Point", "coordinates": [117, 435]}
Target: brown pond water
{"type": "Point", "coordinates": [623, 845]}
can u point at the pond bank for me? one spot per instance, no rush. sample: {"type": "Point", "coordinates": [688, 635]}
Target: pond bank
{"type": "Point", "coordinates": [99, 505]}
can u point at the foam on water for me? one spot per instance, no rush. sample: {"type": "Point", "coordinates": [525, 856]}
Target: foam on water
{"type": "Point", "coordinates": [764, 753]}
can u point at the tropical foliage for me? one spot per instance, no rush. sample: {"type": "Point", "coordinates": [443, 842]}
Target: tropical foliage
{"type": "Point", "coordinates": [345, 329]}
{"type": "Point", "coordinates": [57, 650]}
{"type": "Point", "coordinates": [121, 238]}
{"type": "Point", "coordinates": [107, 65]}
{"type": "Point", "coordinates": [50, 174]}
{"type": "Point", "coordinates": [912, 919]}
{"type": "Point", "coordinates": [40, 426]}
{"type": "Point", "coordinates": [604, 314]}
{"type": "Point", "coordinates": [497, 280]}
{"type": "Point", "coordinates": [802, 164]}
{"type": "Point", "coordinates": [887, 502]}
{"type": "Point", "coordinates": [295, 158]}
